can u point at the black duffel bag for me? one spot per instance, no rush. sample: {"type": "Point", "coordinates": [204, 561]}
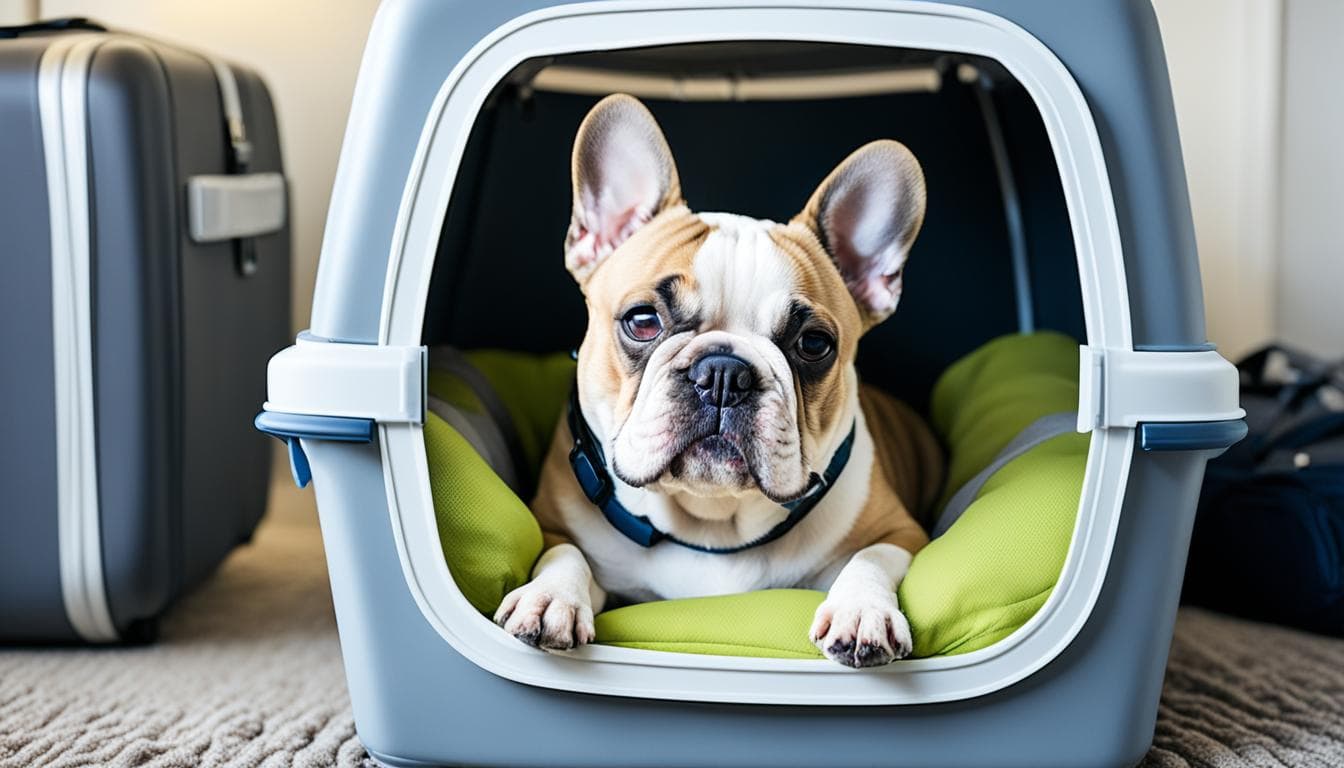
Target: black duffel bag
{"type": "Point", "coordinates": [1269, 536]}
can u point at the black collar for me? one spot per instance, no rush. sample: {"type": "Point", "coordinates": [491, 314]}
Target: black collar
{"type": "Point", "coordinates": [590, 469]}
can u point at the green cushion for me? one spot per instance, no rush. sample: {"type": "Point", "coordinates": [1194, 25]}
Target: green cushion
{"type": "Point", "coordinates": [969, 588]}
{"type": "Point", "coordinates": [765, 623]}
{"type": "Point", "coordinates": [533, 389]}
{"type": "Point", "coordinates": [995, 566]}
{"type": "Point", "coordinates": [982, 401]}
{"type": "Point", "coordinates": [489, 536]}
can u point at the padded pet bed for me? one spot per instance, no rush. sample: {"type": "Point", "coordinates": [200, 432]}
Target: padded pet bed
{"type": "Point", "coordinates": [972, 586]}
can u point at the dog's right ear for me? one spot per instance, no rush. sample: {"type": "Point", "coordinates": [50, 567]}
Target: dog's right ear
{"type": "Point", "coordinates": [623, 176]}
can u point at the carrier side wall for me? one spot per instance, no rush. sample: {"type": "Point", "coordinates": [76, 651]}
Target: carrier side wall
{"type": "Point", "coordinates": [1113, 49]}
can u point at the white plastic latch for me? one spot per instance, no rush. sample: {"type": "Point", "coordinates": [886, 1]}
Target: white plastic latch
{"type": "Point", "coordinates": [1122, 387]}
{"type": "Point", "coordinates": [369, 381]}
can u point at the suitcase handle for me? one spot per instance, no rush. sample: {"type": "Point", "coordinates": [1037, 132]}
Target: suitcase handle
{"type": "Point", "coordinates": [236, 206]}
{"type": "Point", "coordinates": [66, 24]}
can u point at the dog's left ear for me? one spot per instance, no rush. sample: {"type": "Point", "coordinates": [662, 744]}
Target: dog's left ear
{"type": "Point", "coordinates": [866, 215]}
{"type": "Point", "coordinates": [623, 176]}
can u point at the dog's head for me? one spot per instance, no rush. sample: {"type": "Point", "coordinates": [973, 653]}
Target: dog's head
{"type": "Point", "coordinates": [719, 355]}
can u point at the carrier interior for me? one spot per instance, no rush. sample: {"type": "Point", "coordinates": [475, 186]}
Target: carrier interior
{"type": "Point", "coordinates": [754, 127]}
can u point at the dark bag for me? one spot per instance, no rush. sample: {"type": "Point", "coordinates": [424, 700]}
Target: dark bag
{"type": "Point", "coordinates": [1269, 536]}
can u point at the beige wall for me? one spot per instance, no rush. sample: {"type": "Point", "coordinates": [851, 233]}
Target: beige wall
{"type": "Point", "coordinates": [307, 50]}
{"type": "Point", "coordinates": [1311, 207]}
{"type": "Point", "coordinates": [1224, 59]}
{"type": "Point", "coordinates": [17, 11]}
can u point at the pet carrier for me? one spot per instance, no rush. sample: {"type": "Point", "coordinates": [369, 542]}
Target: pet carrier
{"type": "Point", "coordinates": [1056, 272]}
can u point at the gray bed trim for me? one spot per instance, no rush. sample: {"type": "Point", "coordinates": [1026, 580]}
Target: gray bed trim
{"type": "Point", "coordinates": [1046, 427]}
{"type": "Point", "coordinates": [504, 449]}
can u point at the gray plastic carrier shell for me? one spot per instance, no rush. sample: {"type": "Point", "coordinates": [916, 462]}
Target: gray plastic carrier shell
{"type": "Point", "coordinates": [434, 683]}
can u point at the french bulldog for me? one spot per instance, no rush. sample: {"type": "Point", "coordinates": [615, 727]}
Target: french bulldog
{"type": "Point", "coordinates": [724, 441]}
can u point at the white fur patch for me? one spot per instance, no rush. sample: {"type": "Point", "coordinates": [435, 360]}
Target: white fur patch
{"type": "Point", "coordinates": [745, 283]}
{"type": "Point", "coordinates": [554, 610]}
{"type": "Point", "coordinates": [860, 624]}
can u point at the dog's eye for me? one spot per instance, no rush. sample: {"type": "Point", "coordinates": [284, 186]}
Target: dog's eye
{"type": "Point", "coordinates": [814, 346]}
{"type": "Point", "coordinates": [642, 324]}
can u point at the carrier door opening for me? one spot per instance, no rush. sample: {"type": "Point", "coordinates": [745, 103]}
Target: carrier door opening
{"type": "Point", "coordinates": [983, 344]}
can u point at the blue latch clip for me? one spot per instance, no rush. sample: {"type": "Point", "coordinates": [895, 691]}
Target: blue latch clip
{"type": "Point", "coordinates": [291, 427]}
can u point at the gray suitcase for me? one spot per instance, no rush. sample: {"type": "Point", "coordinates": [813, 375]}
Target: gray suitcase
{"type": "Point", "coordinates": [144, 282]}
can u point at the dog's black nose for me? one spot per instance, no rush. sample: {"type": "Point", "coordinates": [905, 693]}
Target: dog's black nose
{"type": "Point", "coordinates": [722, 380]}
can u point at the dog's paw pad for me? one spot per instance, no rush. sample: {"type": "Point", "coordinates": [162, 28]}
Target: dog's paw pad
{"type": "Point", "coordinates": [546, 618]}
{"type": "Point", "coordinates": [841, 649]}
{"type": "Point", "coordinates": [873, 655]}
{"type": "Point", "coordinates": [862, 632]}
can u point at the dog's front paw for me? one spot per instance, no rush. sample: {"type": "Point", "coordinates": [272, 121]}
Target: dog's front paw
{"type": "Point", "coordinates": [548, 616]}
{"type": "Point", "coordinates": [862, 630]}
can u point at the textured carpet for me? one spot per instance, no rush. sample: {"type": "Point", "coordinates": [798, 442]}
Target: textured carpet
{"type": "Point", "coordinates": [1239, 693]}
{"type": "Point", "coordinates": [248, 673]}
